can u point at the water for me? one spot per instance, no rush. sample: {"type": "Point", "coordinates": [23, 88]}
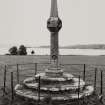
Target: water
{"type": "Point", "coordinates": [4, 51]}
{"type": "Point", "coordinates": [46, 51]}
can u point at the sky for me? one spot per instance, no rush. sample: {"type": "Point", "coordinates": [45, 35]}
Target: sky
{"type": "Point", "coordinates": [24, 22]}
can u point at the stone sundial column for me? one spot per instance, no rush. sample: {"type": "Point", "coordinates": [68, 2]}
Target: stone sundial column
{"type": "Point", "coordinates": [54, 24]}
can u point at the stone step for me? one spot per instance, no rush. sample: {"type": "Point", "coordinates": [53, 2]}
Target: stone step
{"type": "Point", "coordinates": [29, 93]}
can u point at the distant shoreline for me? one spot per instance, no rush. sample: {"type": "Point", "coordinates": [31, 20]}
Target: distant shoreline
{"type": "Point", "coordinates": [73, 50]}
{"type": "Point", "coordinates": [89, 46]}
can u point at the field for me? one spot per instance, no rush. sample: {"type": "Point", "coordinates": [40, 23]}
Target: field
{"type": "Point", "coordinates": [67, 59]}
{"type": "Point", "coordinates": [27, 67]}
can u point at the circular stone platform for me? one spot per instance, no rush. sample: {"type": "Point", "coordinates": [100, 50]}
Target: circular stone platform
{"type": "Point", "coordinates": [65, 87]}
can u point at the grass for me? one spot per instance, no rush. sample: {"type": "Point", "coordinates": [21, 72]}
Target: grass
{"type": "Point", "coordinates": [28, 70]}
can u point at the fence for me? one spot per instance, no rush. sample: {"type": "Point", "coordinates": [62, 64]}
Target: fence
{"type": "Point", "coordinates": [10, 75]}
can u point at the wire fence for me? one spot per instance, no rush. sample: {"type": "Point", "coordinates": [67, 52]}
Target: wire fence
{"type": "Point", "coordinates": [10, 75]}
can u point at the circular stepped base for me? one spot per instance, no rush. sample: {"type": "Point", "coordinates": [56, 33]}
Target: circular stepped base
{"type": "Point", "coordinates": [64, 77]}
{"type": "Point", "coordinates": [28, 93]}
{"type": "Point", "coordinates": [66, 83]}
{"type": "Point", "coordinates": [60, 88]}
{"type": "Point", "coordinates": [54, 72]}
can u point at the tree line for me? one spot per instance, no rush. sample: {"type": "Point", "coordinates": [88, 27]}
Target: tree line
{"type": "Point", "coordinates": [22, 50]}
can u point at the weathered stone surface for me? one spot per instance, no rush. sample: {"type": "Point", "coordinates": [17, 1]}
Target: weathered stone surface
{"type": "Point", "coordinates": [54, 82]}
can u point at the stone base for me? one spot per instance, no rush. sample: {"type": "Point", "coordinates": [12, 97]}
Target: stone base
{"type": "Point", "coordinates": [54, 72]}
{"type": "Point", "coordinates": [60, 86]}
{"type": "Point", "coordinates": [29, 93]}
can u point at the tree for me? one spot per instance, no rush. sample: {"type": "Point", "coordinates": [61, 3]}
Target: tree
{"type": "Point", "coordinates": [22, 50]}
{"type": "Point", "coordinates": [32, 52]}
{"type": "Point", "coordinates": [13, 50]}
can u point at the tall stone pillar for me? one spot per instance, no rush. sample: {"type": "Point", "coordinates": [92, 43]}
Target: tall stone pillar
{"type": "Point", "coordinates": [62, 87]}
{"type": "Point", "coordinates": [54, 24]}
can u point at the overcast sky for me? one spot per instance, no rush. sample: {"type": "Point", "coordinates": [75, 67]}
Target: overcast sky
{"type": "Point", "coordinates": [24, 22]}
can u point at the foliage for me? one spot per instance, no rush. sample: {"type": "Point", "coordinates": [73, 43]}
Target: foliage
{"type": "Point", "coordinates": [13, 50]}
{"type": "Point", "coordinates": [22, 50]}
{"type": "Point", "coordinates": [32, 52]}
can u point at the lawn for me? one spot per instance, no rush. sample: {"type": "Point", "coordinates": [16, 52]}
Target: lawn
{"type": "Point", "coordinates": [28, 69]}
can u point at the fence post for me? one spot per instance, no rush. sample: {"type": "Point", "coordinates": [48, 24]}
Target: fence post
{"type": "Point", "coordinates": [5, 71]}
{"type": "Point", "coordinates": [78, 90]}
{"type": "Point", "coordinates": [95, 79]}
{"type": "Point", "coordinates": [39, 90]}
{"type": "Point", "coordinates": [18, 73]}
{"type": "Point", "coordinates": [101, 90]}
{"type": "Point", "coordinates": [35, 68]}
{"type": "Point", "coordinates": [78, 86]}
{"type": "Point", "coordinates": [84, 71]}
{"type": "Point", "coordinates": [12, 87]}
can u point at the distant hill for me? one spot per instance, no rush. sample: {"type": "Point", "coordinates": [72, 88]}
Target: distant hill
{"type": "Point", "coordinates": [89, 46]}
